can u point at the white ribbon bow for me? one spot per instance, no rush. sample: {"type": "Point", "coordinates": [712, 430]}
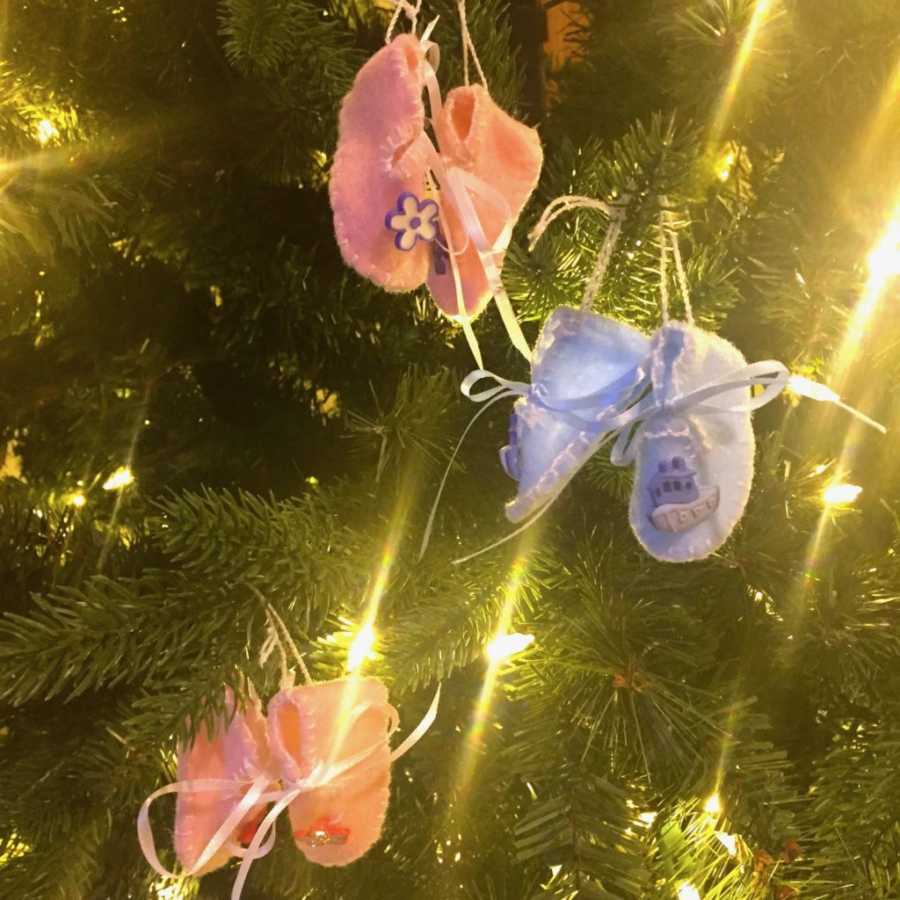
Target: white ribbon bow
{"type": "Point", "coordinates": [622, 421]}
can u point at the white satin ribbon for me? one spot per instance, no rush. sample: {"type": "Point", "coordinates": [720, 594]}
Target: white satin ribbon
{"type": "Point", "coordinates": [489, 397]}
{"type": "Point", "coordinates": [324, 774]}
{"type": "Point", "coordinates": [626, 425]}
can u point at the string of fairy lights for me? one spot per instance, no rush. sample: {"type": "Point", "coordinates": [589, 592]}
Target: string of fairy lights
{"type": "Point", "coordinates": [837, 491]}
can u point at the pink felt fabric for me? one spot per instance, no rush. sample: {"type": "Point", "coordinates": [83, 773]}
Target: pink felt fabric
{"type": "Point", "coordinates": [479, 137]}
{"type": "Point", "coordinates": [313, 724]}
{"type": "Point", "coordinates": [236, 752]}
{"type": "Point", "coordinates": [377, 161]}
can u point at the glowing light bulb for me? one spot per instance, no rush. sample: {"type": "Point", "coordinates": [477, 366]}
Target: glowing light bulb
{"type": "Point", "coordinates": [361, 648]}
{"type": "Point", "coordinates": [505, 645]}
{"type": "Point", "coordinates": [713, 805]}
{"type": "Point", "coordinates": [840, 494]}
{"type": "Point", "coordinates": [77, 499]}
{"type": "Point", "coordinates": [884, 260]}
{"type": "Point", "coordinates": [46, 132]}
{"type": "Point", "coordinates": [14, 850]}
{"type": "Point", "coordinates": [119, 479]}
{"type": "Point", "coordinates": [648, 818]}
{"type": "Point", "coordinates": [728, 841]}
{"type": "Point", "coordinates": [688, 892]}
{"type": "Point", "coordinates": [726, 164]}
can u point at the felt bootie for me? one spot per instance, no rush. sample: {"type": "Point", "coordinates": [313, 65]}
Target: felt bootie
{"type": "Point", "coordinates": [694, 468]}
{"type": "Point", "coordinates": [584, 364]}
{"type": "Point", "coordinates": [325, 724]}
{"type": "Point", "coordinates": [384, 222]}
{"type": "Point", "coordinates": [236, 753]}
{"type": "Point", "coordinates": [502, 155]}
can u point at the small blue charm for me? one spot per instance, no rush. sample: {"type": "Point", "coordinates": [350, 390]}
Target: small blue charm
{"type": "Point", "coordinates": [678, 503]}
{"type": "Point", "coordinates": [412, 221]}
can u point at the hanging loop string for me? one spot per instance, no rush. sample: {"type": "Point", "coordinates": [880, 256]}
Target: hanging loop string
{"type": "Point", "coordinates": [279, 636]}
{"type": "Point", "coordinates": [270, 644]}
{"type": "Point", "coordinates": [663, 270]}
{"type": "Point", "coordinates": [682, 279]}
{"type": "Point", "coordinates": [278, 623]}
{"type": "Point", "coordinates": [667, 236]}
{"type": "Point", "coordinates": [469, 47]}
{"type": "Point", "coordinates": [602, 264]}
{"type": "Point", "coordinates": [411, 10]}
{"type": "Point", "coordinates": [616, 218]}
{"type": "Point", "coordinates": [324, 774]}
{"type": "Point", "coordinates": [560, 205]}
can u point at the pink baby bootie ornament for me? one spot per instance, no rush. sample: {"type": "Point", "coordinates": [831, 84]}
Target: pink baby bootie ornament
{"type": "Point", "coordinates": [324, 755]}
{"type": "Point", "coordinates": [222, 777]}
{"type": "Point", "coordinates": [316, 726]}
{"type": "Point", "coordinates": [503, 159]}
{"type": "Point", "coordinates": [384, 223]}
{"type": "Point", "coordinates": [407, 209]}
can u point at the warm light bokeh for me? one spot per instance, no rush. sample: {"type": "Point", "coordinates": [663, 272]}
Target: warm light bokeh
{"type": "Point", "coordinates": [119, 479]}
{"type": "Point", "coordinates": [505, 645]}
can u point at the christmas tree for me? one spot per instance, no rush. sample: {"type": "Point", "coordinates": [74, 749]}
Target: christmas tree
{"type": "Point", "coordinates": [207, 415]}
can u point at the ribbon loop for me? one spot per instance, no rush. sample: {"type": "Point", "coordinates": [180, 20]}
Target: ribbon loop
{"type": "Point", "coordinates": [516, 388]}
{"type": "Point", "coordinates": [488, 397]}
{"type": "Point", "coordinates": [251, 798]}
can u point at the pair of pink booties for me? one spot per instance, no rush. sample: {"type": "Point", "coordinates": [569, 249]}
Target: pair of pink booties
{"type": "Point", "coordinates": [386, 225]}
{"type": "Point", "coordinates": [306, 728]}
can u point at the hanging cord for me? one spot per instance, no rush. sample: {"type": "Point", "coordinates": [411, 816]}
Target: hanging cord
{"type": "Point", "coordinates": [469, 47]}
{"type": "Point", "coordinates": [272, 642]}
{"type": "Point", "coordinates": [602, 264]}
{"type": "Point", "coordinates": [275, 619]}
{"type": "Point", "coordinates": [411, 10]}
{"type": "Point", "coordinates": [616, 218]}
{"type": "Point", "coordinates": [663, 270]}
{"type": "Point", "coordinates": [682, 279]}
{"type": "Point", "coordinates": [557, 207]}
{"type": "Point", "coordinates": [666, 219]}
{"type": "Point", "coordinates": [278, 637]}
